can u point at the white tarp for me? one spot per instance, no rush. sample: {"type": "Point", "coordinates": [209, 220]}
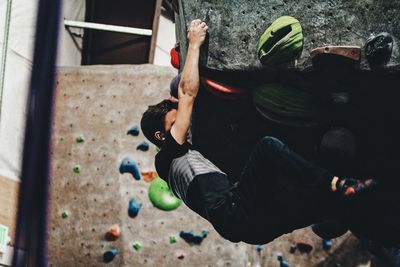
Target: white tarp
{"type": "Point", "coordinates": [18, 71]}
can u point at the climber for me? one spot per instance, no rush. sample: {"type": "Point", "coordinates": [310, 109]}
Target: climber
{"type": "Point", "coordinates": [278, 190]}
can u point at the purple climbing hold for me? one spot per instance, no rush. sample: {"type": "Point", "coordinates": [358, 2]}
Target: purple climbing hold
{"type": "Point", "coordinates": [327, 244]}
{"type": "Point", "coordinates": [192, 238]}
{"type": "Point", "coordinates": [134, 207]}
{"type": "Point", "coordinates": [173, 87]}
{"type": "Point", "coordinates": [134, 131]}
{"type": "Point", "coordinates": [110, 254]}
{"type": "Point", "coordinates": [128, 166]}
{"type": "Point", "coordinates": [143, 146]}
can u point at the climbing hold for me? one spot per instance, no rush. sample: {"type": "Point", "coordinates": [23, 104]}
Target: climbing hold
{"type": "Point", "coordinates": [172, 239]}
{"type": "Point", "coordinates": [282, 262]}
{"type": "Point", "coordinates": [327, 244]}
{"type": "Point", "coordinates": [134, 208]}
{"type": "Point", "coordinates": [143, 146]}
{"type": "Point", "coordinates": [161, 196]}
{"type": "Point", "coordinates": [149, 176]}
{"type": "Point", "coordinates": [293, 248]}
{"type": "Point", "coordinates": [378, 49]}
{"type": "Point", "coordinates": [332, 57]}
{"type": "Point", "coordinates": [192, 238]}
{"type": "Point", "coordinates": [286, 105]}
{"type": "Point", "coordinates": [64, 215]}
{"type": "Point", "coordinates": [281, 42]}
{"type": "Point", "coordinates": [181, 256]}
{"type": "Point", "coordinates": [76, 169]}
{"type": "Point", "coordinates": [259, 247]}
{"type": "Point", "coordinates": [223, 90]}
{"type": "Point", "coordinates": [128, 166]}
{"type": "Point", "coordinates": [110, 254]}
{"type": "Point", "coordinates": [304, 247]}
{"type": "Point", "coordinates": [137, 246]}
{"type": "Point", "coordinates": [134, 131]}
{"type": "Point", "coordinates": [174, 85]}
{"type": "Point", "coordinates": [80, 138]}
{"type": "Point", "coordinates": [113, 233]}
{"type": "Point", "coordinates": [174, 53]}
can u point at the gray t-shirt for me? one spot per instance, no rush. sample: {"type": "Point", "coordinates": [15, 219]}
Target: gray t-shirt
{"type": "Point", "coordinates": [180, 164]}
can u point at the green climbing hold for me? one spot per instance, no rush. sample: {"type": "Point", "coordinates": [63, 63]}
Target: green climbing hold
{"type": "Point", "coordinates": [287, 105]}
{"type": "Point", "coordinates": [64, 215]}
{"type": "Point", "coordinates": [137, 246]}
{"type": "Point", "coordinates": [77, 169]}
{"type": "Point", "coordinates": [172, 239]}
{"type": "Point", "coordinates": [161, 196]}
{"type": "Point", "coordinates": [80, 138]}
{"type": "Point", "coordinates": [281, 42]}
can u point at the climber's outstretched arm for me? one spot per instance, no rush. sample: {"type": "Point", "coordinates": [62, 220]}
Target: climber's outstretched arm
{"type": "Point", "coordinates": [190, 81]}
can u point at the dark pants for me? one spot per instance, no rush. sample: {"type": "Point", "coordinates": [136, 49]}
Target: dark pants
{"type": "Point", "coordinates": [277, 193]}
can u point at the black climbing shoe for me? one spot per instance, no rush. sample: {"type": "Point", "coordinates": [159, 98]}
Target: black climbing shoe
{"type": "Point", "coordinates": [349, 187]}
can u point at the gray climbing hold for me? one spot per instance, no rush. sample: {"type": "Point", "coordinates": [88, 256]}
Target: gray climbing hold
{"type": "Point", "coordinates": [129, 166]}
{"type": "Point", "coordinates": [143, 146]}
{"type": "Point", "coordinates": [134, 207]}
{"type": "Point", "coordinates": [134, 131]}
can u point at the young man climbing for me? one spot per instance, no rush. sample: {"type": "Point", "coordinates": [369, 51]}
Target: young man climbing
{"type": "Point", "coordinates": [277, 192]}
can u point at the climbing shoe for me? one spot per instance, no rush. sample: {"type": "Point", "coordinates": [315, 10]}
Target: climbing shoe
{"type": "Point", "coordinates": [349, 187]}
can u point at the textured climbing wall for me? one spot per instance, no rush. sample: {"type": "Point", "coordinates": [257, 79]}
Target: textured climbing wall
{"type": "Point", "coordinates": [235, 27]}
{"type": "Point", "coordinates": [102, 103]}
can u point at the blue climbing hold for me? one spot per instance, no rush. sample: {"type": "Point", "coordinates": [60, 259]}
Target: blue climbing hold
{"type": "Point", "coordinates": [134, 207]}
{"type": "Point", "coordinates": [327, 244]}
{"type": "Point", "coordinates": [293, 248]}
{"type": "Point", "coordinates": [259, 247]}
{"type": "Point", "coordinates": [128, 166]}
{"type": "Point", "coordinates": [282, 262]}
{"type": "Point", "coordinates": [192, 238]}
{"type": "Point", "coordinates": [110, 254]}
{"type": "Point", "coordinates": [143, 146]}
{"type": "Point", "coordinates": [134, 131]}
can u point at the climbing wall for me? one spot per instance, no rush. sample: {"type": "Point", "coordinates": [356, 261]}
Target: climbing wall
{"type": "Point", "coordinates": [235, 27]}
{"type": "Point", "coordinates": [101, 104]}
{"type": "Point", "coordinates": [95, 108]}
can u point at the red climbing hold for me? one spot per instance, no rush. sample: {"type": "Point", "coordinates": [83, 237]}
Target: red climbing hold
{"type": "Point", "coordinates": [175, 57]}
{"type": "Point", "coordinates": [304, 247]}
{"type": "Point", "coordinates": [181, 256]}
{"type": "Point", "coordinates": [113, 233]}
{"type": "Point", "coordinates": [350, 191]}
{"type": "Point", "coordinates": [224, 90]}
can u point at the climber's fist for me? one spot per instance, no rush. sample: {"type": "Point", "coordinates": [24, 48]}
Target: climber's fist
{"type": "Point", "coordinates": [197, 33]}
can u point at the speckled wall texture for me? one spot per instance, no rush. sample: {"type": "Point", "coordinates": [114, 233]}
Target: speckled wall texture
{"type": "Point", "coordinates": [235, 27]}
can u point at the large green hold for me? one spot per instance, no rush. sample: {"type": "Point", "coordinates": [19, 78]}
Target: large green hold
{"type": "Point", "coordinates": [287, 105]}
{"type": "Point", "coordinates": [161, 196]}
{"type": "Point", "coordinates": [281, 42]}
